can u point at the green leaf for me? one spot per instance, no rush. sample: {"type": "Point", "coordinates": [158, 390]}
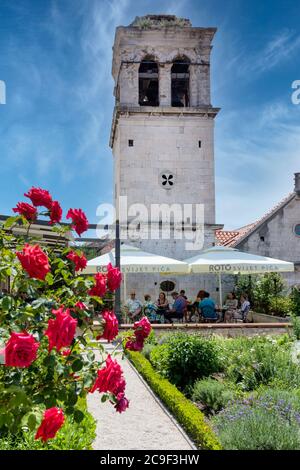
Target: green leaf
{"type": "Point", "coordinates": [31, 422]}
{"type": "Point", "coordinates": [88, 381]}
{"type": "Point", "coordinates": [72, 398]}
{"type": "Point", "coordinates": [77, 365]}
{"type": "Point", "coordinates": [78, 416]}
{"type": "Point", "coordinates": [69, 410]}
{"type": "Point", "coordinates": [49, 278]}
{"type": "Point", "coordinates": [82, 340]}
{"type": "Point", "coordinates": [11, 221]}
{"type": "Point", "coordinates": [7, 303]}
{"type": "Point", "coordinates": [6, 419]}
{"type": "Point", "coordinates": [50, 361]}
{"type": "Point", "coordinates": [62, 395]}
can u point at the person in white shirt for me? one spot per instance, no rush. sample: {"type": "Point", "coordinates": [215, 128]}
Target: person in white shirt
{"type": "Point", "coordinates": [133, 306]}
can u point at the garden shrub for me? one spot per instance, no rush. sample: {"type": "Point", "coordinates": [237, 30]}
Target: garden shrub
{"type": "Point", "coordinates": [185, 358]}
{"type": "Point", "coordinates": [281, 306]}
{"type": "Point", "coordinates": [295, 297]}
{"type": "Point", "coordinates": [152, 339]}
{"type": "Point", "coordinates": [159, 358]}
{"type": "Point", "coordinates": [186, 413]}
{"type": "Point", "coordinates": [266, 292]}
{"type": "Point", "coordinates": [211, 393]}
{"type": "Point", "coordinates": [148, 348]}
{"type": "Point", "coordinates": [296, 326]}
{"type": "Point", "coordinates": [47, 344]}
{"type": "Point", "coordinates": [251, 362]}
{"type": "Point", "coordinates": [269, 422]}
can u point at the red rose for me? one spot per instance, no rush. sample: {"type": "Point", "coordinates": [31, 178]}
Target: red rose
{"type": "Point", "coordinates": [34, 261]}
{"type": "Point", "coordinates": [61, 331]}
{"type": "Point", "coordinates": [109, 379]}
{"type": "Point", "coordinates": [81, 306]}
{"type": "Point", "coordinates": [66, 352]}
{"type": "Point", "coordinates": [99, 288]}
{"type": "Point", "coordinates": [80, 261]}
{"type": "Point", "coordinates": [110, 327]}
{"type": "Point", "coordinates": [27, 210]}
{"type": "Point", "coordinates": [135, 344]}
{"type": "Point", "coordinates": [79, 221]}
{"type": "Point", "coordinates": [142, 328]}
{"type": "Point", "coordinates": [53, 420]}
{"type": "Point", "coordinates": [20, 350]}
{"type": "Point", "coordinates": [120, 387]}
{"type": "Point", "coordinates": [114, 278]}
{"type": "Point", "coordinates": [40, 197]}
{"type": "Point", "coordinates": [55, 213]}
{"type": "Point", "coordinates": [122, 404]}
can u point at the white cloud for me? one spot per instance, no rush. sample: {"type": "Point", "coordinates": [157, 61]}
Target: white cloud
{"type": "Point", "coordinates": [255, 164]}
{"type": "Point", "coordinates": [276, 51]}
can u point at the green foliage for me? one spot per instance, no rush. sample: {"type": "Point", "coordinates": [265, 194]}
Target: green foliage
{"type": "Point", "coordinates": [281, 306]}
{"type": "Point", "coordinates": [295, 297]}
{"type": "Point", "coordinates": [296, 326]}
{"type": "Point", "coordinates": [148, 348]}
{"type": "Point", "coordinates": [159, 358]}
{"type": "Point", "coordinates": [148, 23]}
{"type": "Point", "coordinates": [263, 290]}
{"type": "Point", "coordinates": [152, 339]}
{"type": "Point", "coordinates": [267, 422]}
{"type": "Point", "coordinates": [260, 360]}
{"type": "Point", "coordinates": [268, 286]}
{"type": "Point", "coordinates": [187, 414]}
{"type": "Point", "coordinates": [185, 358]}
{"type": "Point", "coordinates": [150, 344]}
{"type": "Point", "coordinates": [245, 284]}
{"type": "Point", "coordinates": [212, 394]}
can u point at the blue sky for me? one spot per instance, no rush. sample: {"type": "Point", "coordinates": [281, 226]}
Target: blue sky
{"type": "Point", "coordinates": [55, 58]}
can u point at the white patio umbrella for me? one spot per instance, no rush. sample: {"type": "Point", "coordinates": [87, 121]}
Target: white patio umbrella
{"type": "Point", "coordinates": [134, 260]}
{"type": "Point", "coordinates": [224, 260]}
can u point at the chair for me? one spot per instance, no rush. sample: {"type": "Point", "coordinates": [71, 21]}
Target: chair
{"type": "Point", "coordinates": [242, 316]}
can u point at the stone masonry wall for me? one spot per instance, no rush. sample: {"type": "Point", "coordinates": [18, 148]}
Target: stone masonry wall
{"type": "Point", "coordinates": [276, 238]}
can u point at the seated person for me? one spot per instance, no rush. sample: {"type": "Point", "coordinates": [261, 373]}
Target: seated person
{"type": "Point", "coordinates": [194, 307]}
{"type": "Point", "coordinates": [230, 306]}
{"type": "Point", "coordinates": [133, 307]}
{"type": "Point", "coordinates": [149, 309]}
{"type": "Point", "coordinates": [162, 306]}
{"type": "Point", "coordinates": [186, 312]}
{"type": "Point", "coordinates": [245, 307]}
{"type": "Point", "coordinates": [182, 294]}
{"type": "Point", "coordinates": [207, 307]}
{"type": "Point", "coordinates": [178, 309]}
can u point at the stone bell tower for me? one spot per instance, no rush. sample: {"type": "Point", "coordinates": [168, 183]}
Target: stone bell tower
{"type": "Point", "coordinates": [162, 134]}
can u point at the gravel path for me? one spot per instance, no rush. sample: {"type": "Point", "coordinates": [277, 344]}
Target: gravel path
{"type": "Point", "coordinates": [145, 425]}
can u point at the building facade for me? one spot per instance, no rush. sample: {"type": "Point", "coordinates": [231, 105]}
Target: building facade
{"type": "Point", "coordinates": [162, 138]}
{"type": "Point", "coordinates": [276, 234]}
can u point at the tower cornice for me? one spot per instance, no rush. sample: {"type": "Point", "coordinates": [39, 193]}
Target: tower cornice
{"type": "Point", "coordinates": [207, 112]}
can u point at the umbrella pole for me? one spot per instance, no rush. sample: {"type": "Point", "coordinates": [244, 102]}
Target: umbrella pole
{"type": "Point", "coordinates": [118, 265]}
{"type": "Point", "coordinates": [124, 288]}
{"type": "Point", "coordinates": [220, 290]}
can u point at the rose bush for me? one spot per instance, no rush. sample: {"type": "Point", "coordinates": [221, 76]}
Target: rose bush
{"type": "Point", "coordinates": [50, 356]}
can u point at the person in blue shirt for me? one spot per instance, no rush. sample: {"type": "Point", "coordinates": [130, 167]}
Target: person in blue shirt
{"type": "Point", "coordinates": [178, 309]}
{"type": "Point", "coordinates": [207, 307]}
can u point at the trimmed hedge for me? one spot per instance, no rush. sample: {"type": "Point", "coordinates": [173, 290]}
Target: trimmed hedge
{"type": "Point", "coordinates": [187, 414]}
